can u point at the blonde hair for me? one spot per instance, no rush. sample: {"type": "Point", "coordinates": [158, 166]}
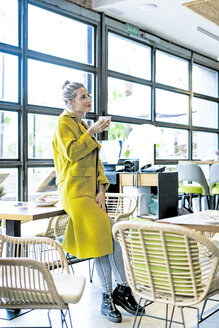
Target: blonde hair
{"type": "Point", "coordinates": [69, 89]}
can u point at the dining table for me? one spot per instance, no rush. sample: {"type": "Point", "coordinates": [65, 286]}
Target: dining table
{"type": "Point", "coordinates": [14, 212]}
{"type": "Point", "coordinates": [204, 221]}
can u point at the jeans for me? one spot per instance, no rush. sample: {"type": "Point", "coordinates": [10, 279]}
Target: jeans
{"type": "Point", "coordinates": [108, 264]}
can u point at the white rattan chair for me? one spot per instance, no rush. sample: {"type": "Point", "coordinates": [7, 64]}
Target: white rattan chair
{"type": "Point", "coordinates": [34, 274]}
{"type": "Point", "coordinates": [168, 264]}
{"type": "Point", "coordinates": [120, 206]}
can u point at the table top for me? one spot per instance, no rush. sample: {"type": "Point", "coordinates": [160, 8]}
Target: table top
{"type": "Point", "coordinates": [202, 221]}
{"type": "Point", "coordinates": [27, 211]}
{"type": "Point", "coordinates": [199, 162]}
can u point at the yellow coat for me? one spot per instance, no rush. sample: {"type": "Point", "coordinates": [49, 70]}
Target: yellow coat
{"type": "Point", "coordinates": [79, 171]}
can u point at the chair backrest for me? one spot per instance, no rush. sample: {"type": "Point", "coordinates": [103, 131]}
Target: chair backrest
{"type": "Point", "coordinates": [120, 205]}
{"type": "Point", "coordinates": [213, 175]}
{"type": "Point", "coordinates": [60, 225]}
{"type": "Point", "coordinates": [165, 262]}
{"type": "Point", "coordinates": [26, 283]}
{"type": "Point", "coordinates": [192, 172]}
{"type": "Point", "coordinates": [45, 250]}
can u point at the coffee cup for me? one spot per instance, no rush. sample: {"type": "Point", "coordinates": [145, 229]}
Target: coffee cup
{"type": "Point", "coordinates": [105, 118]}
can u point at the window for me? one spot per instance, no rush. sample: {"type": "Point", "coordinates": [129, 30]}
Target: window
{"type": "Point", "coordinates": [171, 107]}
{"type": "Point", "coordinates": [129, 57]}
{"type": "Point", "coordinates": [173, 144]}
{"type": "Point", "coordinates": [40, 133]}
{"type": "Point", "coordinates": [8, 77]}
{"type": "Point", "coordinates": [204, 113]}
{"type": "Point", "coordinates": [46, 80]}
{"type": "Point", "coordinates": [59, 36]}
{"type": "Point", "coordinates": [204, 145]}
{"type": "Point", "coordinates": [205, 80]}
{"type": "Point", "coordinates": [8, 134]}
{"type": "Point", "coordinates": [138, 140]}
{"type": "Point", "coordinates": [8, 179]}
{"type": "Point", "coordinates": [172, 70]}
{"type": "Point", "coordinates": [41, 180]}
{"type": "Point", "coordinates": [129, 99]}
{"type": "Point", "coordinates": [9, 22]}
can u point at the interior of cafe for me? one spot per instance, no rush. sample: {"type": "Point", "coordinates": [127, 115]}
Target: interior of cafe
{"type": "Point", "coordinates": [151, 70]}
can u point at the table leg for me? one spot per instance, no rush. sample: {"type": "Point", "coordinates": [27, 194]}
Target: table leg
{"type": "Point", "coordinates": [13, 228]}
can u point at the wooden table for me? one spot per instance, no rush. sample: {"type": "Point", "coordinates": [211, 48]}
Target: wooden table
{"type": "Point", "coordinates": [207, 221]}
{"type": "Point", "coordinates": [15, 212]}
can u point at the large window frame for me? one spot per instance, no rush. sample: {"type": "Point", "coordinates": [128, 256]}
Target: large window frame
{"type": "Point", "coordinates": [102, 26]}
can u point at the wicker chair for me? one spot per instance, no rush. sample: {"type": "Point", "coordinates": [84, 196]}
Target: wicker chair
{"type": "Point", "coordinates": [168, 264]}
{"type": "Point", "coordinates": [36, 265]}
{"type": "Point", "coordinates": [120, 206]}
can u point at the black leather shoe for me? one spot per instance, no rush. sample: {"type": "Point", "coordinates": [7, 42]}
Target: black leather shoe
{"type": "Point", "coordinates": [122, 296]}
{"type": "Point", "coordinates": [108, 309]}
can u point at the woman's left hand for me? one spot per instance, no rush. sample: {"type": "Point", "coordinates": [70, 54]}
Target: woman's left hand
{"type": "Point", "coordinates": [100, 200]}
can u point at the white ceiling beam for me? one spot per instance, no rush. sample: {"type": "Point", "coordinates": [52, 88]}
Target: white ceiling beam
{"type": "Point", "coordinates": [100, 4]}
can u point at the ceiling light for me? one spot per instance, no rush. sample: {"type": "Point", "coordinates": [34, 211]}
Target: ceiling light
{"type": "Point", "coordinates": [149, 6]}
{"type": "Point", "coordinates": [211, 35]}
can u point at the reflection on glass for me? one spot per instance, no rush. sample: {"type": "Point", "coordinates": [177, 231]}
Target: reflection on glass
{"type": "Point", "coordinates": [41, 180]}
{"type": "Point", "coordinates": [204, 145]}
{"type": "Point", "coordinates": [8, 77]}
{"type": "Point", "coordinates": [172, 70]}
{"type": "Point", "coordinates": [74, 39]}
{"type": "Point", "coordinates": [173, 144]}
{"type": "Point", "coordinates": [205, 80]}
{"type": "Point", "coordinates": [129, 57]}
{"type": "Point", "coordinates": [129, 99]}
{"type": "Point", "coordinates": [8, 179]}
{"type": "Point", "coordinates": [9, 22]}
{"type": "Point", "coordinates": [138, 140]}
{"type": "Point", "coordinates": [171, 107]}
{"type": "Point", "coordinates": [40, 134]}
{"type": "Point", "coordinates": [46, 80]}
{"type": "Point", "coordinates": [8, 134]}
{"type": "Point", "coordinates": [204, 113]}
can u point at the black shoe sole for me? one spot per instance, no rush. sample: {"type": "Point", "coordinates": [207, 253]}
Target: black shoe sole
{"type": "Point", "coordinates": [127, 309]}
{"type": "Point", "coordinates": [116, 320]}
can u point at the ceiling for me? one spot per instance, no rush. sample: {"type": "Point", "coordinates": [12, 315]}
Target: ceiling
{"type": "Point", "coordinates": [169, 20]}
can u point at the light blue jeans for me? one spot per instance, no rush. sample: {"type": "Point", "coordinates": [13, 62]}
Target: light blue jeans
{"type": "Point", "coordinates": [108, 264]}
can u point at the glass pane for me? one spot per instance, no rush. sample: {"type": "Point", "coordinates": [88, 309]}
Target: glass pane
{"type": "Point", "coordinates": [59, 36]}
{"type": "Point", "coordinates": [129, 99]}
{"type": "Point", "coordinates": [173, 144]}
{"type": "Point", "coordinates": [8, 134]}
{"type": "Point", "coordinates": [40, 180]}
{"type": "Point", "coordinates": [46, 80]}
{"type": "Point", "coordinates": [129, 57]}
{"type": "Point", "coordinates": [172, 70]}
{"type": "Point", "coordinates": [204, 145]}
{"type": "Point", "coordinates": [40, 134]}
{"type": "Point", "coordinates": [138, 140]}
{"type": "Point", "coordinates": [205, 80]}
{"type": "Point", "coordinates": [8, 77]}
{"type": "Point", "coordinates": [8, 179]}
{"type": "Point", "coordinates": [204, 113]}
{"type": "Point", "coordinates": [9, 22]}
{"type": "Point", "coordinates": [171, 107]}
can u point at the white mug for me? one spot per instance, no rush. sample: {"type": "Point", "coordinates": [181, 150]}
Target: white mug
{"type": "Point", "coordinates": [105, 118]}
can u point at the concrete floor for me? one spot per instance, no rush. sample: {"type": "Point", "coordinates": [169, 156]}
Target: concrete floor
{"type": "Point", "coordinates": [86, 314]}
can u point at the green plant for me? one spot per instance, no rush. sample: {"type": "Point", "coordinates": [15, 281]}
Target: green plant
{"type": "Point", "coordinates": [2, 191]}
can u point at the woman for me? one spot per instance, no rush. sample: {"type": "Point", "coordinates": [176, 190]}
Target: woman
{"type": "Point", "coordinates": [82, 185]}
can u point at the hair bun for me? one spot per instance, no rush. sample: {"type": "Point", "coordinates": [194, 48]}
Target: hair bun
{"type": "Point", "coordinates": [65, 83]}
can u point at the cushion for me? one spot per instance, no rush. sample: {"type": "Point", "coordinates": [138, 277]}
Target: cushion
{"type": "Point", "coordinates": [69, 287]}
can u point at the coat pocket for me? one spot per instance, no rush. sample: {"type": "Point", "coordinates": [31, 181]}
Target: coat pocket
{"type": "Point", "coordinates": [81, 182]}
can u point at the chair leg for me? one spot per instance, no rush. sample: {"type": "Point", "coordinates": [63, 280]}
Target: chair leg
{"type": "Point", "coordinates": [69, 261]}
{"type": "Point", "coordinates": [199, 202]}
{"type": "Point", "coordinates": [63, 318]}
{"type": "Point", "coordinates": [216, 201]}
